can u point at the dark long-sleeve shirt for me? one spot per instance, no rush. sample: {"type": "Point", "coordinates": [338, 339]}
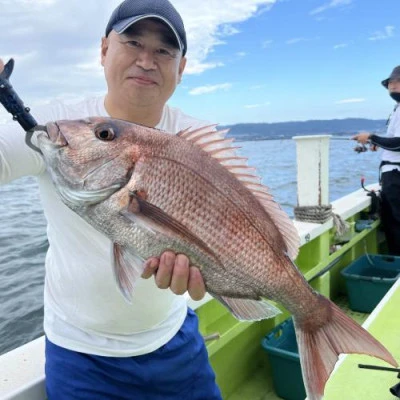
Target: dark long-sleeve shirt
{"type": "Point", "coordinates": [387, 143]}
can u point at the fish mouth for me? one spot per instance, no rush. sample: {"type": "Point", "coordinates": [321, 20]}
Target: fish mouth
{"type": "Point", "coordinates": [54, 133]}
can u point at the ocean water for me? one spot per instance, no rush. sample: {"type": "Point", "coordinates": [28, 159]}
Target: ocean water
{"type": "Point", "coordinates": [23, 242]}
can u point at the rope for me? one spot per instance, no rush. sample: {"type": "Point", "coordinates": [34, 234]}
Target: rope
{"type": "Point", "coordinates": [314, 214]}
{"type": "Point", "coordinates": [342, 226]}
{"type": "Point", "coordinates": [321, 214]}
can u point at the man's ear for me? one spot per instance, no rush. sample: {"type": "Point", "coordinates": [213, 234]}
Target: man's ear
{"type": "Point", "coordinates": [182, 65]}
{"type": "Point", "coordinates": [104, 48]}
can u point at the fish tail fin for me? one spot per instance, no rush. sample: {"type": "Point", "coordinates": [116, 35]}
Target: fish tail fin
{"type": "Point", "coordinates": [320, 343]}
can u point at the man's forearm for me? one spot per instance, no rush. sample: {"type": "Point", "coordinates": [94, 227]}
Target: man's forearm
{"type": "Point", "coordinates": [391, 143]}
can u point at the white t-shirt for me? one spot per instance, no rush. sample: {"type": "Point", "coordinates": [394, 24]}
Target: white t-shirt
{"type": "Point", "coordinates": [393, 130]}
{"type": "Point", "coordinates": [83, 308]}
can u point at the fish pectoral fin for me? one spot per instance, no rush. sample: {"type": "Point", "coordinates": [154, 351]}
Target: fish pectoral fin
{"type": "Point", "coordinates": [247, 309]}
{"type": "Point", "coordinates": [154, 218]}
{"type": "Point", "coordinates": [138, 205]}
{"type": "Point", "coordinates": [127, 268]}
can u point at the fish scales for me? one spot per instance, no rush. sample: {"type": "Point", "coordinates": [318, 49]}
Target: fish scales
{"type": "Point", "coordinates": [192, 196]}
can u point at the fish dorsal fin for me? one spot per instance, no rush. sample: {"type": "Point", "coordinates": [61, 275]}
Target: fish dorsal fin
{"type": "Point", "coordinates": [217, 146]}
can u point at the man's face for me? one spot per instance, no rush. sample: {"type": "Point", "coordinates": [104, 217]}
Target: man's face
{"type": "Point", "coordinates": [143, 64]}
{"type": "Point", "coordinates": [394, 85]}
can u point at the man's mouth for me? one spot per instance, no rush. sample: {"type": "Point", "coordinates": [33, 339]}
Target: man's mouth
{"type": "Point", "coordinates": [142, 80]}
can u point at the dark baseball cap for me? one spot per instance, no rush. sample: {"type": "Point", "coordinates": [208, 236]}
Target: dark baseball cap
{"type": "Point", "coordinates": [394, 75]}
{"type": "Point", "coordinates": [131, 11]}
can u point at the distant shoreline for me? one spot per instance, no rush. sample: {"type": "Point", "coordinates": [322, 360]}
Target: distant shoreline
{"type": "Point", "coordinates": [286, 130]}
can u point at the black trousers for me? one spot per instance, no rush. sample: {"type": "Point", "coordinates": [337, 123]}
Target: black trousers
{"type": "Point", "coordinates": [390, 211]}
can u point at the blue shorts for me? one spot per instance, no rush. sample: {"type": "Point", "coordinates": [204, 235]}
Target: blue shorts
{"type": "Point", "coordinates": [179, 370]}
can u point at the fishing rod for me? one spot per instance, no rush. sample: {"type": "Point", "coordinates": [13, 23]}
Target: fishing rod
{"type": "Point", "coordinates": [339, 138]}
{"type": "Point", "coordinates": [15, 106]}
{"type": "Point", "coordinates": [379, 368]}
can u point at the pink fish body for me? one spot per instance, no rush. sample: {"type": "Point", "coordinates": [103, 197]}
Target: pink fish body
{"type": "Point", "coordinates": [149, 191]}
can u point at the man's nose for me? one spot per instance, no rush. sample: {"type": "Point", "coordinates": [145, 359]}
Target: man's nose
{"type": "Point", "coordinates": [145, 59]}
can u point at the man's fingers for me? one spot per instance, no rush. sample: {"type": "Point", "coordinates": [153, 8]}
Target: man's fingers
{"type": "Point", "coordinates": [196, 286]}
{"type": "Point", "coordinates": [150, 267]}
{"type": "Point", "coordinates": [180, 274]}
{"type": "Point", "coordinates": [174, 271]}
{"type": "Point", "coordinates": [1, 65]}
{"type": "Point", "coordinates": [165, 269]}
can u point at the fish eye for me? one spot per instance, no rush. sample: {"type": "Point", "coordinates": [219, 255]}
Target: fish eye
{"type": "Point", "coordinates": [105, 133]}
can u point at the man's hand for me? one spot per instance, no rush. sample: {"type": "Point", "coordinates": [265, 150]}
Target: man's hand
{"type": "Point", "coordinates": [173, 271]}
{"type": "Point", "coordinates": [1, 65]}
{"type": "Point", "coordinates": [362, 137]}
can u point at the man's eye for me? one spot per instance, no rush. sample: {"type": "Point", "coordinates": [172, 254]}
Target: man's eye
{"type": "Point", "coordinates": [133, 43]}
{"type": "Point", "coordinates": [165, 52]}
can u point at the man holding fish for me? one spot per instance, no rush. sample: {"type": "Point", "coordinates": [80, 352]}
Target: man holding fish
{"type": "Point", "coordinates": [142, 192]}
{"type": "Point", "coordinates": [98, 346]}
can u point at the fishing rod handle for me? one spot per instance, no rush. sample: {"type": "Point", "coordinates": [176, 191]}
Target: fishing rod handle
{"type": "Point", "coordinates": [11, 101]}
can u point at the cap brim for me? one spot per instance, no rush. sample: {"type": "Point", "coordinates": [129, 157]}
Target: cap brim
{"type": "Point", "coordinates": [123, 25]}
{"type": "Point", "coordinates": [385, 83]}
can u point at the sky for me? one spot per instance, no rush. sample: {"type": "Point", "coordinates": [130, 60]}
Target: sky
{"type": "Point", "coordinates": [248, 60]}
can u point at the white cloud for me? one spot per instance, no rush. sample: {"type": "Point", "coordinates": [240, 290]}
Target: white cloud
{"type": "Point", "coordinates": [65, 36]}
{"type": "Point", "coordinates": [210, 89]}
{"type": "Point", "coordinates": [249, 106]}
{"type": "Point", "coordinates": [21, 58]}
{"type": "Point", "coordinates": [331, 4]}
{"type": "Point", "coordinates": [349, 101]}
{"type": "Point", "coordinates": [228, 30]}
{"type": "Point", "coordinates": [387, 33]}
{"type": "Point", "coordinates": [266, 43]}
{"type": "Point", "coordinates": [207, 24]}
{"type": "Point", "coordinates": [241, 54]}
{"type": "Point", "coordinates": [200, 67]}
{"type": "Point", "coordinates": [28, 3]}
{"type": "Point", "coordinates": [340, 46]}
{"type": "Point", "coordinates": [295, 40]}
{"type": "Point", "coordinates": [258, 87]}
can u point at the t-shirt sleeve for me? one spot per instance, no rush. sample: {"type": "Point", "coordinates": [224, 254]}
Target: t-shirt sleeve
{"type": "Point", "coordinates": [16, 158]}
{"type": "Point", "coordinates": [185, 121]}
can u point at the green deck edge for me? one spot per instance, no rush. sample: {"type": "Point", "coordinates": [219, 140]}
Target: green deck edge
{"type": "Point", "coordinates": [260, 385]}
{"type": "Point", "coordinates": [370, 384]}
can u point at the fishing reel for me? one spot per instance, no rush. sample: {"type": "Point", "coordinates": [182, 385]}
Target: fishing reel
{"type": "Point", "coordinates": [361, 148]}
{"type": "Point", "coordinates": [375, 200]}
